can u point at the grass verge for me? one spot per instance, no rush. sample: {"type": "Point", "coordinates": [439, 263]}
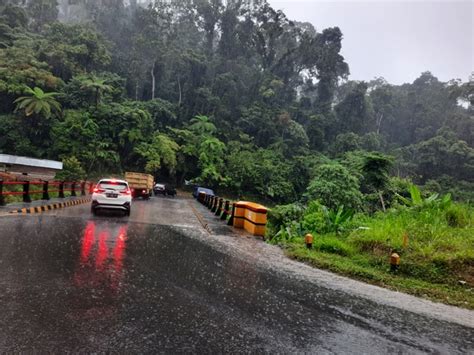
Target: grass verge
{"type": "Point", "coordinates": [360, 268]}
{"type": "Point", "coordinates": [436, 246]}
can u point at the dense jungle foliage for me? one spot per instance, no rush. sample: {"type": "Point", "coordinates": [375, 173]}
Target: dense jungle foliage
{"type": "Point", "coordinates": [232, 94]}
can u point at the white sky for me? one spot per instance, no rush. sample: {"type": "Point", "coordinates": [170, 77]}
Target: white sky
{"type": "Point", "coordinates": [396, 39]}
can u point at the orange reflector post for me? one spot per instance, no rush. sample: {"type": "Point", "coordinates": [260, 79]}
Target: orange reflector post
{"type": "Point", "coordinates": [394, 262]}
{"type": "Point", "coordinates": [308, 239]}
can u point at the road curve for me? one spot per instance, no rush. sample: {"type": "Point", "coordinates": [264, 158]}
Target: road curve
{"type": "Point", "coordinates": [157, 281]}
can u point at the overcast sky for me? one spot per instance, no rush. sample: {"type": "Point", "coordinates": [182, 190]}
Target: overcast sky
{"type": "Point", "coordinates": [396, 39]}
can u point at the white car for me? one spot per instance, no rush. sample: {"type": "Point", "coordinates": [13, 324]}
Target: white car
{"type": "Point", "coordinates": [112, 194]}
{"type": "Point", "coordinates": [159, 189]}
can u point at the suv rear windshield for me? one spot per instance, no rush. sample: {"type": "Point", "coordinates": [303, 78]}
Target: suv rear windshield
{"type": "Point", "coordinates": [112, 185]}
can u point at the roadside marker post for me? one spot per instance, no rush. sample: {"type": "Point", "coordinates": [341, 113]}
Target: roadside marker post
{"type": "Point", "coordinates": [214, 204]}
{"type": "Point", "coordinates": [308, 239]}
{"type": "Point", "coordinates": [394, 262]}
{"type": "Point", "coordinates": [230, 222]}
{"type": "Point", "coordinates": [225, 213]}
{"type": "Point", "coordinates": [219, 207]}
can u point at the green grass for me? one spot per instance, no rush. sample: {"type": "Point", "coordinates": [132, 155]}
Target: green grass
{"type": "Point", "coordinates": [439, 252]}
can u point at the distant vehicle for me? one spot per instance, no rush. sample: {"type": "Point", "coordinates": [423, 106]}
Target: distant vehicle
{"type": "Point", "coordinates": [141, 184]}
{"type": "Point", "coordinates": [170, 190]}
{"type": "Point", "coordinates": [159, 189]}
{"type": "Point", "coordinates": [112, 194]}
{"type": "Point", "coordinates": [164, 189]}
{"type": "Point", "coordinates": [199, 189]}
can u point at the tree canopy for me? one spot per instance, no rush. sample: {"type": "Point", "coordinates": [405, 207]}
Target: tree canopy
{"type": "Point", "coordinates": [230, 94]}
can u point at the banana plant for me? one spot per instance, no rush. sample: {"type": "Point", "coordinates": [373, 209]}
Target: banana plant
{"type": "Point", "coordinates": [417, 200]}
{"type": "Point", "coordinates": [336, 220]}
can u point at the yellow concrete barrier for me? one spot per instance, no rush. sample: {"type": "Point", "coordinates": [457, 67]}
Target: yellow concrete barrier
{"type": "Point", "coordinates": [250, 216]}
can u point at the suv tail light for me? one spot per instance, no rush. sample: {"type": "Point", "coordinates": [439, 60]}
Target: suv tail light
{"type": "Point", "coordinates": [126, 192]}
{"type": "Point", "coordinates": [98, 190]}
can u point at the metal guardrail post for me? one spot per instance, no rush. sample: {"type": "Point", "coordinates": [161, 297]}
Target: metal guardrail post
{"type": "Point", "coordinates": [83, 188]}
{"type": "Point", "coordinates": [230, 222]}
{"type": "Point", "coordinates": [225, 213]}
{"type": "Point", "coordinates": [45, 190]}
{"type": "Point", "coordinates": [214, 204]}
{"type": "Point", "coordinates": [219, 207]}
{"type": "Point", "coordinates": [211, 201]}
{"type": "Point", "coordinates": [61, 189]}
{"type": "Point", "coordinates": [26, 192]}
{"type": "Point", "coordinates": [73, 189]}
{"type": "Point", "coordinates": [2, 199]}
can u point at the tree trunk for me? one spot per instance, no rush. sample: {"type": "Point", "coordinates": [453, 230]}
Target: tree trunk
{"type": "Point", "coordinates": [153, 81]}
{"type": "Point", "coordinates": [180, 95]}
{"type": "Point", "coordinates": [379, 122]}
{"type": "Point", "coordinates": [382, 201]}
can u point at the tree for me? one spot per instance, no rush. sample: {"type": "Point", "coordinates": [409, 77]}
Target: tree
{"type": "Point", "coordinates": [38, 102]}
{"type": "Point", "coordinates": [72, 49]}
{"type": "Point", "coordinates": [354, 112]}
{"type": "Point", "coordinates": [202, 124]}
{"type": "Point", "coordinates": [72, 170]}
{"type": "Point", "coordinates": [42, 12]}
{"type": "Point", "coordinates": [98, 86]}
{"type": "Point", "coordinates": [161, 152]}
{"type": "Point", "coordinates": [375, 169]}
{"type": "Point", "coordinates": [334, 186]}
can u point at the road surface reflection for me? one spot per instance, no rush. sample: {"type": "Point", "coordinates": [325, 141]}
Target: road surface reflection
{"type": "Point", "coordinates": [100, 264]}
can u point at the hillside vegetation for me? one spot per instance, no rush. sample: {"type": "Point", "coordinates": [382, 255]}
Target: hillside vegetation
{"type": "Point", "coordinates": [238, 97]}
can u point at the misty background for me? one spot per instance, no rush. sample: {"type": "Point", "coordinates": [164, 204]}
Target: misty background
{"type": "Point", "coordinates": [396, 39]}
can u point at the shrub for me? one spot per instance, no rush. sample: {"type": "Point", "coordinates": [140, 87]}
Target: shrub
{"type": "Point", "coordinates": [72, 170]}
{"type": "Point", "coordinates": [283, 215]}
{"type": "Point", "coordinates": [314, 219]}
{"type": "Point", "coordinates": [335, 186]}
{"type": "Point", "coordinates": [457, 216]}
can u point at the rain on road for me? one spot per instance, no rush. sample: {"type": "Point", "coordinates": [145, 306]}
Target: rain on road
{"type": "Point", "coordinates": [158, 282]}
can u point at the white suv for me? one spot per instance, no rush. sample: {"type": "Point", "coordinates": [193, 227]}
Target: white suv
{"type": "Point", "coordinates": [112, 194]}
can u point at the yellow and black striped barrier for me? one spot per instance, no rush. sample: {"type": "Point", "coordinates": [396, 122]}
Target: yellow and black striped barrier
{"type": "Point", "coordinates": [247, 215]}
{"type": "Point", "coordinates": [50, 207]}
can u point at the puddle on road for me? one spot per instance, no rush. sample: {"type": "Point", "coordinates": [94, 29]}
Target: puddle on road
{"type": "Point", "coordinates": [102, 284]}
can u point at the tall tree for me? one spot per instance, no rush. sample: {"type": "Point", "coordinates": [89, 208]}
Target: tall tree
{"type": "Point", "coordinates": [38, 102]}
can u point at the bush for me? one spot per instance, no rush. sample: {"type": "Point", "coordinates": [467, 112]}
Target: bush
{"type": "Point", "coordinates": [314, 219]}
{"type": "Point", "coordinates": [457, 216]}
{"type": "Point", "coordinates": [320, 219]}
{"type": "Point", "coordinates": [283, 215]}
{"type": "Point", "coordinates": [72, 170]}
{"type": "Point", "coordinates": [335, 186]}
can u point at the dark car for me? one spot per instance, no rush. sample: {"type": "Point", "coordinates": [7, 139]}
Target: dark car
{"type": "Point", "coordinates": [164, 189]}
{"type": "Point", "coordinates": [170, 190]}
{"type": "Point", "coordinates": [199, 189]}
{"type": "Point", "coordinates": [159, 189]}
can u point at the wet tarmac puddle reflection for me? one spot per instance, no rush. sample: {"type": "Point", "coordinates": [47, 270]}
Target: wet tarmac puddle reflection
{"type": "Point", "coordinates": [100, 263]}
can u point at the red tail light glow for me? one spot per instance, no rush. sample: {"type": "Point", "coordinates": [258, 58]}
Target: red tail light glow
{"type": "Point", "coordinates": [98, 190]}
{"type": "Point", "coordinates": [126, 192]}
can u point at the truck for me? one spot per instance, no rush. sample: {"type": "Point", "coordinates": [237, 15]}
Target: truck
{"type": "Point", "coordinates": [141, 184]}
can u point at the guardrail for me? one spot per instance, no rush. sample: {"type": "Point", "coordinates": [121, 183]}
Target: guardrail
{"type": "Point", "coordinates": [43, 188]}
{"type": "Point", "coordinates": [248, 215]}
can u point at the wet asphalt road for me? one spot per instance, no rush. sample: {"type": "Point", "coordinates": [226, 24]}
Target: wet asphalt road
{"type": "Point", "coordinates": [158, 282]}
